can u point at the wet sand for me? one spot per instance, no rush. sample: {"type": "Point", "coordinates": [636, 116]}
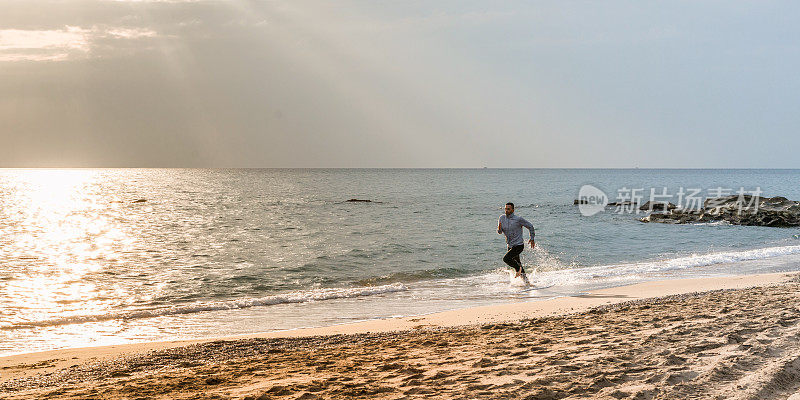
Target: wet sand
{"type": "Point", "coordinates": [702, 338]}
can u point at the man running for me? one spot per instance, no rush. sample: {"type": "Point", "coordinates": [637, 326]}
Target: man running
{"type": "Point", "coordinates": [511, 225]}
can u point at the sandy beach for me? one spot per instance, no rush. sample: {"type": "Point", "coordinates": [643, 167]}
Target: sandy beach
{"type": "Point", "coordinates": [722, 337]}
{"type": "Point", "coordinates": [299, 200]}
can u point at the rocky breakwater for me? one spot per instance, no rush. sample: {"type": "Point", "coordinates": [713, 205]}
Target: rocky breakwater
{"type": "Point", "coordinates": [736, 210]}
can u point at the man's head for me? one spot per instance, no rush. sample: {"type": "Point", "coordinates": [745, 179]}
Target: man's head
{"type": "Point", "coordinates": [509, 208]}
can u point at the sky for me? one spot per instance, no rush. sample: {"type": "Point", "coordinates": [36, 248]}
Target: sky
{"type": "Point", "coordinates": [399, 84]}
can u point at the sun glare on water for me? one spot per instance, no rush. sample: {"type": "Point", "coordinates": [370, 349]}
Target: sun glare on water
{"type": "Point", "coordinates": [57, 230]}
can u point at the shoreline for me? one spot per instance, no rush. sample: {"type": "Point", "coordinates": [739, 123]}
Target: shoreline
{"type": "Point", "coordinates": [29, 364]}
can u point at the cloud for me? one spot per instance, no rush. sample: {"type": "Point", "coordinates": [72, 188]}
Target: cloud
{"type": "Point", "coordinates": [127, 33]}
{"type": "Point", "coordinates": [43, 45]}
{"type": "Point", "coordinates": [412, 83]}
{"type": "Point", "coordinates": [62, 44]}
{"type": "Point", "coordinates": [153, 1]}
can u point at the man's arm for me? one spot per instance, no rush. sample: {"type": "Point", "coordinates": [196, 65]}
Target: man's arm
{"type": "Point", "coordinates": [499, 228]}
{"type": "Point", "coordinates": [528, 225]}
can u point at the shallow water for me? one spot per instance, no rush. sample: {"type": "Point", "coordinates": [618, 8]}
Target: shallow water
{"type": "Point", "coordinates": [217, 252]}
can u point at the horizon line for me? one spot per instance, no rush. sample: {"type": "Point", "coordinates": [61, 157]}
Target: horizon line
{"type": "Point", "coordinates": [420, 168]}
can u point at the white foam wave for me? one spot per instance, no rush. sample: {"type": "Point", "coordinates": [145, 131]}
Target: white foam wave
{"type": "Point", "coordinates": [641, 269]}
{"type": "Point", "coordinates": [285, 298]}
{"type": "Point", "coordinates": [499, 281]}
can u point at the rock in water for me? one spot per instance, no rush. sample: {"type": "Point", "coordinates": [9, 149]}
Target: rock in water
{"type": "Point", "coordinates": [657, 206]}
{"type": "Point", "coordinates": [737, 210]}
{"type": "Point", "coordinates": [626, 203]}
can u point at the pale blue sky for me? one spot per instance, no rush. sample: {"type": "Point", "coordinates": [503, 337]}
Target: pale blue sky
{"type": "Point", "coordinates": [399, 84]}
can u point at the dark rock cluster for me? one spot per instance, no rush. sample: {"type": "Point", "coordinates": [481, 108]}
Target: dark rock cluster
{"type": "Point", "coordinates": [657, 206]}
{"type": "Point", "coordinates": [736, 210]}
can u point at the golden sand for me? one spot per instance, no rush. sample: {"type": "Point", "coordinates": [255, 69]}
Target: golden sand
{"type": "Point", "coordinates": [733, 342]}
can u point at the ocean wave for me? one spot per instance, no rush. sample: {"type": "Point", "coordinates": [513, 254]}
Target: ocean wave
{"type": "Point", "coordinates": [415, 276]}
{"type": "Point", "coordinates": [577, 275]}
{"type": "Point", "coordinates": [285, 298]}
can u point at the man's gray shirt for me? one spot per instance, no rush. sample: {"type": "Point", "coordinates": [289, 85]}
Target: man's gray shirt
{"type": "Point", "coordinates": [512, 228]}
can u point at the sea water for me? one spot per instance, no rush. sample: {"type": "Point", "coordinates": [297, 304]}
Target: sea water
{"type": "Point", "coordinates": [107, 256]}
